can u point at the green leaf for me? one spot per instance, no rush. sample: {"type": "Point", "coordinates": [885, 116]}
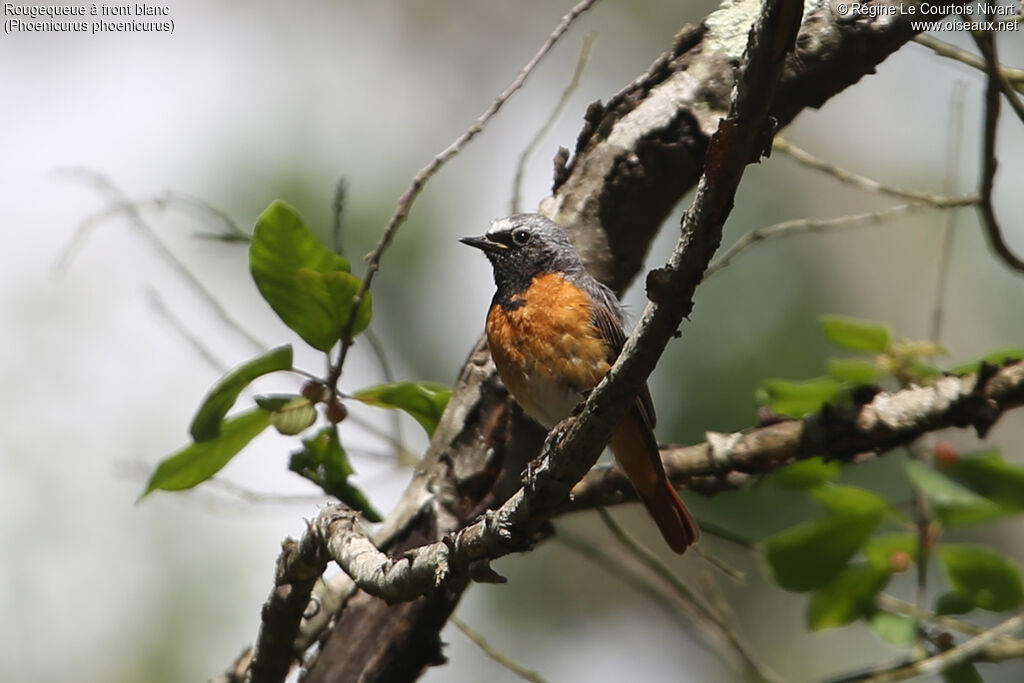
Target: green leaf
{"type": "Point", "coordinates": [424, 401]}
{"type": "Point", "coordinates": [954, 603]}
{"type": "Point", "coordinates": [333, 294]}
{"type": "Point", "coordinates": [274, 402]}
{"type": "Point", "coordinates": [964, 672]}
{"type": "Point", "coordinates": [987, 579]}
{"type": "Point", "coordinates": [947, 495]}
{"type": "Point", "coordinates": [799, 398]}
{"type": "Point", "coordinates": [853, 370]}
{"type": "Point", "coordinates": [294, 416]}
{"type": "Point", "coordinates": [206, 423]}
{"type": "Point", "coordinates": [995, 358]}
{"type": "Point", "coordinates": [989, 475]}
{"type": "Point", "coordinates": [200, 461]}
{"type": "Point", "coordinates": [856, 335]}
{"type": "Point", "coordinates": [895, 629]}
{"type": "Point", "coordinates": [324, 462]}
{"type": "Point", "coordinates": [812, 554]}
{"type": "Point", "coordinates": [805, 474]}
{"type": "Point", "coordinates": [879, 550]}
{"type": "Point", "coordinates": [850, 500]}
{"type": "Point", "coordinates": [281, 247]}
{"type": "Point", "coordinates": [848, 597]}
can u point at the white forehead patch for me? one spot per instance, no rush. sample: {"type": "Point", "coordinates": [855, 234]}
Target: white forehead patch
{"type": "Point", "coordinates": [499, 225]}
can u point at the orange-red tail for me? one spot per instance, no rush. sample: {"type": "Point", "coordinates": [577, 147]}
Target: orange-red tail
{"type": "Point", "coordinates": [674, 521]}
{"type": "Point", "coordinates": [636, 451]}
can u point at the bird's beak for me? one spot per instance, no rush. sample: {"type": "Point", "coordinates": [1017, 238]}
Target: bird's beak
{"type": "Point", "coordinates": [484, 244]}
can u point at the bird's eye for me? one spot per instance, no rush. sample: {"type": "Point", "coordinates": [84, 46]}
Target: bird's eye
{"type": "Point", "coordinates": [521, 236]}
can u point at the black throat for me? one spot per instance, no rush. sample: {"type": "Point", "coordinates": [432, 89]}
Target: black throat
{"type": "Point", "coordinates": [511, 283]}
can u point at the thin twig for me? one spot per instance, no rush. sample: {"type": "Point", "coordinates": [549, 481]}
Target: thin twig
{"type": "Point", "coordinates": [989, 160]}
{"type": "Point", "coordinates": [626, 572]}
{"type": "Point", "coordinates": [713, 621]}
{"type": "Point", "coordinates": [488, 649]}
{"type": "Point", "coordinates": [944, 49]}
{"type": "Point", "coordinates": [986, 42]}
{"type": "Point", "coordinates": [954, 143]}
{"type": "Point", "coordinates": [398, 440]}
{"type": "Point", "coordinates": [719, 564]}
{"type": "Point", "coordinates": [337, 211]}
{"type": "Point", "coordinates": [424, 174]}
{"type": "Point", "coordinates": [965, 652]}
{"type": "Point", "coordinates": [803, 225]}
{"type": "Point", "coordinates": [894, 604]}
{"type": "Point", "coordinates": [863, 182]}
{"type": "Point", "coordinates": [120, 204]}
{"type": "Point", "coordinates": [156, 302]}
{"type": "Point", "coordinates": [531, 146]}
{"type": "Point", "coordinates": [258, 498]}
{"type": "Point", "coordinates": [922, 524]}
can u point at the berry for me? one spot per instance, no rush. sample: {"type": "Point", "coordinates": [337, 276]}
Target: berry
{"type": "Point", "coordinates": [945, 453]}
{"type": "Point", "coordinates": [337, 412]}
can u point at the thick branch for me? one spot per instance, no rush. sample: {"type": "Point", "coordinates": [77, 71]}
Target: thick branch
{"type": "Point", "coordinates": [889, 420]}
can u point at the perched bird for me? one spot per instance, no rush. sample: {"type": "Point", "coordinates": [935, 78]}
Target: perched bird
{"type": "Point", "coordinates": [554, 332]}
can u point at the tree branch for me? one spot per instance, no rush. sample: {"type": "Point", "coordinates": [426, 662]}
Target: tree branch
{"type": "Point", "coordinates": [965, 652]}
{"type": "Point", "coordinates": [724, 461]}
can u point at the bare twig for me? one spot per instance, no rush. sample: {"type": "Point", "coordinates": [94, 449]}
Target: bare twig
{"type": "Point", "coordinates": [893, 604]}
{"type": "Point", "coordinates": [396, 437]}
{"type": "Point", "coordinates": [481, 642]}
{"type": "Point", "coordinates": [711, 621]}
{"type": "Point", "coordinates": [941, 47]}
{"type": "Point", "coordinates": [719, 564]}
{"type": "Point", "coordinates": [988, 156]}
{"type": "Point", "coordinates": [954, 142]}
{"type": "Point", "coordinates": [531, 146]}
{"type": "Point", "coordinates": [120, 204]}
{"type": "Point", "coordinates": [258, 498]}
{"type": "Point", "coordinates": [338, 211]}
{"type": "Point", "coordinates": [863, 182]}
{"type": "Point", "coordinates": [804, 225]}
{"type": "Point", "coordinates": [156, 302]}
{"type": "Point", "coordinates": [922, 523]}
{"type": "Point", "coordinates": [965, 652]}
{"type": "Point", "coordinates": [626, 572]}
{"type": "Point", "coordinates": [986, 42]}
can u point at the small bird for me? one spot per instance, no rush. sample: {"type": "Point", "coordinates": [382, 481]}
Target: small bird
{"type": "Point", "coordinates": [554, 332]}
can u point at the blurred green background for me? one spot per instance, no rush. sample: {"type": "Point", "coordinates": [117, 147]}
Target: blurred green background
{"type": "Point", "coordinates": [246, 103]}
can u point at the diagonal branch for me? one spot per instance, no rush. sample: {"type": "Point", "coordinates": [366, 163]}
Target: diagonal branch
{"type": "Point", "coordinates": [989, 161]}
{"type": "Point", "coordinates": [570, 452]}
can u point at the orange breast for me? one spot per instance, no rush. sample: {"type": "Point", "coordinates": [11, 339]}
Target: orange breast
{"type": "Point", "coordinates": [547, 349]}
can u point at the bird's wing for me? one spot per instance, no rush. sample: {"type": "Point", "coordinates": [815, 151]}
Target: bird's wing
{"type": "Point", "coordinates": [605, 315]}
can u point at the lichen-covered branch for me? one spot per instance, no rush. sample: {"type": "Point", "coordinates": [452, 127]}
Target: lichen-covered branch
{"type": "Point", "coordinates": [725, 461]}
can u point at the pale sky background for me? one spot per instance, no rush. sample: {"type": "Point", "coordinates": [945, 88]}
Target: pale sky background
{"type": "Point", "coordinates": [249, 102]}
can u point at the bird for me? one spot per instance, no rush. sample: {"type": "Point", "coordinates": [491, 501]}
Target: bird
{"type": "Point", "coordinates": [554, 332]}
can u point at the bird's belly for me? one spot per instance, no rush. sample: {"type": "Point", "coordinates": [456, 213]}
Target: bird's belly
{"type": "Point", "coordinates": [547, 350]}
